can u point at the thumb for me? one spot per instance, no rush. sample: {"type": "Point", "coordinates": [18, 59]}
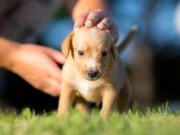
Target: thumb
{"type": "Point", "coordinates": [56, 55]}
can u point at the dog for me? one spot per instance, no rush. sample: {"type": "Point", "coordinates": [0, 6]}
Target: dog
{"type": "Point", "coordinates": [93, 72]}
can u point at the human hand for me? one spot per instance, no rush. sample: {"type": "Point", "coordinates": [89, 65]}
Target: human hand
{"type": "Point", "coordinates": [96, 18]}
{"type": "Point", "coordinates": [38, 66]}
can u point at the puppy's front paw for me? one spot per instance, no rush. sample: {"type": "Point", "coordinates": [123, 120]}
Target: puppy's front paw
{"type": "Point", "coordinates": [60, 113]}
{"type": "Point", "coordinates": [104, 113]}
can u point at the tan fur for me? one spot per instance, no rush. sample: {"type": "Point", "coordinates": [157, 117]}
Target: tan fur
{"type": "Point", "coordinates": [107, 87]}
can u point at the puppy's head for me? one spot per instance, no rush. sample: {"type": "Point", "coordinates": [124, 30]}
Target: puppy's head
{"type": "Point", "coordinates": [92, 51]}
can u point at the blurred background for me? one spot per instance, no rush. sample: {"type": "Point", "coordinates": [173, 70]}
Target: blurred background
{"type": "Point", "coordinates": [152, 59]}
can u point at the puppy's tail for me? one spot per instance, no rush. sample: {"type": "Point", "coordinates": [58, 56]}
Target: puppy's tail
{"type": "Point", "coordinates": [127, 39]}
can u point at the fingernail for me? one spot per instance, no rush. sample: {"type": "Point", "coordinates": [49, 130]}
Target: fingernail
{"type": "Point", "coordinates": [88, 23]}
{"type": "Point", "coordinates": [59, 57]}
{"type": "Point", "coordinates": [63, 59]}
{"type": "Point", "coordinates": [100, 26]}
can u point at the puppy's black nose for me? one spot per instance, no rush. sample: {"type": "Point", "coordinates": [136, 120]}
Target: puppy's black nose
{"type": "Point", "coordinates": [93, 74]}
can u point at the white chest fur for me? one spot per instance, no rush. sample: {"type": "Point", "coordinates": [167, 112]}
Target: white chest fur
{"type": "Point", "coordinates": [84, 88]}
{"type": "Point", "coordinates": [90, 90]}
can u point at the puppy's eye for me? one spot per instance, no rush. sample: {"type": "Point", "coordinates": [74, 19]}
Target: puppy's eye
{"type": "Point", "coordinates": [104, 53]}
{"type": "Point", "coordinates": [80, 52]}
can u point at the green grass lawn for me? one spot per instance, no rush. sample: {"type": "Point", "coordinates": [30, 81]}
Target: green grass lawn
{"type": "Point", "coordinates": [152, 122]}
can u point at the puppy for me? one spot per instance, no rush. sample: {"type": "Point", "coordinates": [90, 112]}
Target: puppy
{"type": "Point", "coordinates": [93, 72]}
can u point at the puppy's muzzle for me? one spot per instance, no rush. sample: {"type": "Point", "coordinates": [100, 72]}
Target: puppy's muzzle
{"type": "Point", "coordinates": [93, 74]}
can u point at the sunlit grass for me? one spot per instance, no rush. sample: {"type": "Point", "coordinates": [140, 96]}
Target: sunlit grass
{"type": "Point", "coordinates": [159, 121]}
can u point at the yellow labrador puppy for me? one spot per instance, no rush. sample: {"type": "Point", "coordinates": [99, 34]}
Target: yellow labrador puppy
{"type": "Point", "coordinates": [93, 72]}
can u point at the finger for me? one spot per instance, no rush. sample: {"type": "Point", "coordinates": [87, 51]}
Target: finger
{"type": "Point", "coordinates": [54, 88]}
{"type": "Point", "coordinates": [55, 72]}
{"type": "Point", "coordinates": [105, 23]}
{"type": "Point", "coordinates": [80, 21]}
{"type": "Point", "coordinates": [93, 18]}
{"type": "Point", "coordinates": [56, 75]}
{"type": "Point", "coordinates": [55, 81]}
{"type": "Point", "coordinates": [56, 55]}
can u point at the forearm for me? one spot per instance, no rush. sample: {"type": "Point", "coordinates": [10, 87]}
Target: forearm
{"type": "Point", "coordinates": [81, 6]}
{"type": "Point", "coordinates": [6, 51]}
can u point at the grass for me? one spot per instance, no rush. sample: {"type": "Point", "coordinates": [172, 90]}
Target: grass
{"type": "Point", "coordinates": [158, 121]}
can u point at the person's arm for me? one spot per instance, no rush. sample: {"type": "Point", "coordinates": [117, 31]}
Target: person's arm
{"type": "Point", "coordinates": [90, 13]}
{"type": "Point", "coordinates": [35, 64]}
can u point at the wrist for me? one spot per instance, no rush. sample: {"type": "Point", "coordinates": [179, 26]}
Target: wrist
{"type": "Point", "coordinates": [80, 13]}
{"type": "Point", "coordinates": [7, 53]}
{"type": "Point", "coordinates": [83, 6]}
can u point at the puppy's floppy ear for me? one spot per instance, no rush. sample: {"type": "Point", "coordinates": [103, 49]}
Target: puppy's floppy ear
{"type": "Point", "coordinates": [67, 44]}
{"type": "Point", "coordinates": [113, 51]}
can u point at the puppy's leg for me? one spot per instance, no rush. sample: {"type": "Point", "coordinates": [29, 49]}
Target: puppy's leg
{"type": "Point", "coordinates": [108, 102]}
{"type": "Point", "coordinates": [124, 97]}
{"type": "Point", "coordinates": [82, 106]}
{"type": "Point", "coordinates": [66, 99]}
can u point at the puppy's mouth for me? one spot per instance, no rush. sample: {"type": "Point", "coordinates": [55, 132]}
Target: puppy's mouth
{"type": "Point", "coordinates": [93, 79]}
